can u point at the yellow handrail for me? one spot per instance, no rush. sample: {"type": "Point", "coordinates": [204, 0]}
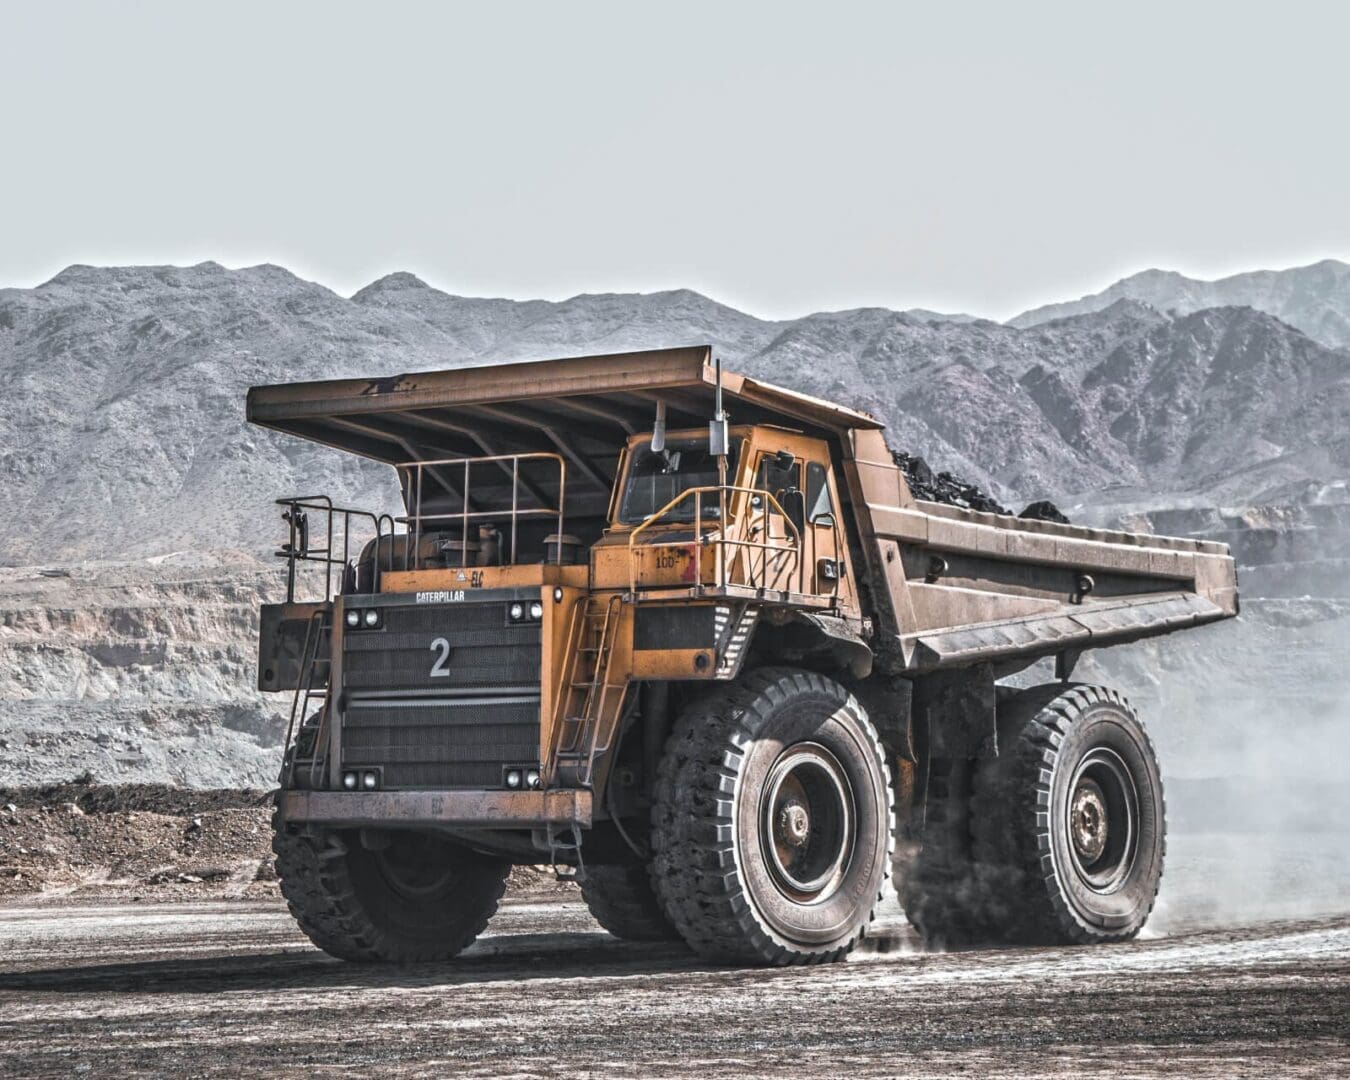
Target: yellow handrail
{"type": "Point", "coordinates": [697, 493]}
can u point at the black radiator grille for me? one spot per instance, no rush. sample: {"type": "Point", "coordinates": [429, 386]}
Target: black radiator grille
{"type": "Point", "coordinates": [431, 719]}
{"type": "Point", "coordinates": [442, 742]}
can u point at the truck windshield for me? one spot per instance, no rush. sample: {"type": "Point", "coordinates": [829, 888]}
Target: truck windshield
{"type": "Point", "coordinates": [654, 479]}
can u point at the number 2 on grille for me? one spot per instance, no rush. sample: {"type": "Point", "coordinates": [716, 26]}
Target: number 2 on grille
{"type": "Point", "coordinates": [438, 669]}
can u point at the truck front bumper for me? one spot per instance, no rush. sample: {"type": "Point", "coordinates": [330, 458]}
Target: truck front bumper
{"type": "Point", "coordinates": [461, 809]}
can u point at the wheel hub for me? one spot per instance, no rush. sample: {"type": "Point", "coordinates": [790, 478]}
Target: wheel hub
{"type": "Point", "coordinates": [794, 823]}
{"type": "Point", "coordinates": [1088, 815]}
{"type": "Point", "coordinates": [807, 822]}
{"type": "Point", "coordinates": [1103, 820]}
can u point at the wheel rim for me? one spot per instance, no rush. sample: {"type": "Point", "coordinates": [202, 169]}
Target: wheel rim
{"type": "Point", "coordinates": [1103, 820]}
{"type": "Point", "coordinates": [807, 823]}
{"type": "Point", "coordinates": [416, 867]}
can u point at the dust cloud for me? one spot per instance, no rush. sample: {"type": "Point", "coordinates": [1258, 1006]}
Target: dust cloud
{"type": "Point", "coordinates": [1251, 720]}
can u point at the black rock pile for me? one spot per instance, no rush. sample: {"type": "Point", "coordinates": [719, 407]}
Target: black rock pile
{"type": "Point", "coordinates": [1044, 510]}
{"type": "Point", "coordinates": [943, 487]}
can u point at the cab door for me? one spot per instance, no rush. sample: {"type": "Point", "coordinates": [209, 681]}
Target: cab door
{"type": "Point", "coordinates": [770, 558]}
{"type": "Point", "coordinates": [822, 535]}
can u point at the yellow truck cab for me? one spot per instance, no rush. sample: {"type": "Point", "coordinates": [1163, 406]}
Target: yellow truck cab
{"type": "Point", "coordinates": [779, 532]}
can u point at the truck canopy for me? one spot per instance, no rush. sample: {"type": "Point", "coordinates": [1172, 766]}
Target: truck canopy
{"type": "Point", "coordinates": [582, 407]}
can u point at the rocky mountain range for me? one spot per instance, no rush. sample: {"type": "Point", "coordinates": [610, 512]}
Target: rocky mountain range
{"type": "Point", "coordinates": [123, 432]}
{"type": "Point", "coordinates": [138, 502]}
{"type": "Point", "coordinates": [1314, 299]}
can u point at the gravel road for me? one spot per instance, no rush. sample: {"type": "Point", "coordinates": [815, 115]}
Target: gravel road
{"type": "Point", "coordinates": [226, 987]}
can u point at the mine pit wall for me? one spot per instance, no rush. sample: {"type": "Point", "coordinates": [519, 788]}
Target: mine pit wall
{"type": "Point", "coordinates": [137, 672]}
{"type": "Point", "coordinates": [1283, 551]}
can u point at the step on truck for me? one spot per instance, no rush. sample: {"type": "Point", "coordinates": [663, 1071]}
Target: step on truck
{"type": "Point", "coordinates": [688, 638]}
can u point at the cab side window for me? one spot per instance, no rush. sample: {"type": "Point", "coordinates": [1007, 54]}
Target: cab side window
{"type": "Point", "coordinates": [775, 477]}
{"type": "Point", "coordinates": [817, 493]}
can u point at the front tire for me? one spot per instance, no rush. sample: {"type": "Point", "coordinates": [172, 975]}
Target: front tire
{"type": "Point", "coordinates": [417, 900]}
{"type": "Point", "coordinates": [774, 823]}
{"type": "Point", "coordinates": [621, 899]}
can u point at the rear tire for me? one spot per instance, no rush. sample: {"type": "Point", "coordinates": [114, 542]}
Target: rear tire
{"type": "Point", "coordinates": [421, 899]}
{"type": "Point", "coordinates": [773, 822]}
{"type": "Point", "coordinates": [621, 899]}
{"type": "Point", "coordinates": [1069, 821]}
{"type": "Point", "coordinates": [943, 895]}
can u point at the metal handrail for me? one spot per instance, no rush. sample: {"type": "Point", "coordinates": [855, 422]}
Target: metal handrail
{"type": "Point", "coordinates": [589, 717]}
{"type": "Point", "coordinates": [327, 556]}
{"type": "Point", "coordinates": [722, 540]}
{"type": "Point", "coordinates": [305, 692]}
{"type": "Point", "coordinates": [576, 628]}
{"type": "Point", "coordinates": [414, 473]}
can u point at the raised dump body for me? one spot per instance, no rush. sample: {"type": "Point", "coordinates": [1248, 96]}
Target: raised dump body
{"type": "Point", "coordinates": [635, 611]}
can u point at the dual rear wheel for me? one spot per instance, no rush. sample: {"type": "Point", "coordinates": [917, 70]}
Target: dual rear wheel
{"type": "Point", "coordinates": [1059, 839]}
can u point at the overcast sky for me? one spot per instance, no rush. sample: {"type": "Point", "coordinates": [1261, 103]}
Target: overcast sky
{"type": "Point", "coordinates": [783, 158]}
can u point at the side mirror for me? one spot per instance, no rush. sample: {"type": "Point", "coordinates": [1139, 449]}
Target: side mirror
{"type": "Point", "coordinates": [785, 459]}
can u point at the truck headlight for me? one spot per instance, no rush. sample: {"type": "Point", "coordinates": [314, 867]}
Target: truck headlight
{"type": "Point", "coordinates": [353, 618]}
{"type": "Point", "coordinates": [350, 780]}
{"type": "Point", "coordinates": [536, 610]}
{"type": "Point", "coordinates": [517, 612]}
{"type": "Point", "coordinates": [372, 617]}
{"type": "Point", "coordinates": [513, 778]}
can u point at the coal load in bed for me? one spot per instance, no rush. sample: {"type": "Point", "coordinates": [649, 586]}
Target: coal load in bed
{"type": "Point", "coordinates": [943, 487]}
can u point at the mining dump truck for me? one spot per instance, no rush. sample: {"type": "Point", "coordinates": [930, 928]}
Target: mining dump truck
{"type": "Point", "coordinates": [689, 639]}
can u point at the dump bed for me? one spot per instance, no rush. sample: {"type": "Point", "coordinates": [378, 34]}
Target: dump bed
{"type": "Point", "coordinates": [945, 587]}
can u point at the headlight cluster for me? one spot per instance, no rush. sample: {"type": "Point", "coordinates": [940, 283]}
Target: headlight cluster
{"type": "Point", "coordinates": [353, 780]}
{"type": "Point", "coordinates": [517, 778]}
{"type": "Point", "coordinates": [520, 611]}
{"type": "Point", "coordinates": [359, 618]}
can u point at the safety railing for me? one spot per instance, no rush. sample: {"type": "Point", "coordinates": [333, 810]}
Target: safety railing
{"type": "Point", "coordinates": [413, 474]}
{"type": "Point", "coordinates": [788, 547]}
{"type": "Point", "coordinates": [337, 550]}
{"type": "Point", "coordinates": [307, 691]}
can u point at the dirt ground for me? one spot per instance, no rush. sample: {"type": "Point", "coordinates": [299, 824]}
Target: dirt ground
{"type": "Point", "coordinates": [142, 934]}
{"type": "Point", "coordinates": [229, 987]}
{"type": "Point", "coordinates": [149, 842]}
